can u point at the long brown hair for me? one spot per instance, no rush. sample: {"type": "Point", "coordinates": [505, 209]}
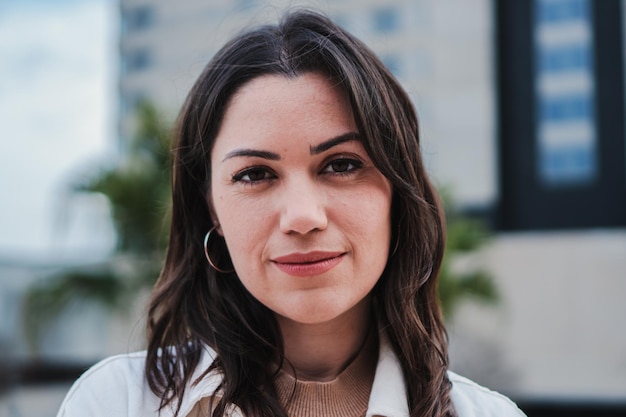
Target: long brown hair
{"type": "Point", "coordinates": [194, 305]}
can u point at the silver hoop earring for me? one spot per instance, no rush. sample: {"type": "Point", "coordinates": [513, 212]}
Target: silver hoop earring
{"type": "Point", "coordinates": [208, 257]}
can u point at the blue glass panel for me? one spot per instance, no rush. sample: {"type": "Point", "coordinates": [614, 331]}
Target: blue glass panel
{"type": "Point", "coordinates": [138, 18]}
{"type": "Point", "coordinates": [392, 63]}
{"type": "Point", "coordinates": [566, 108]}
{"type": "Point", "coordinates": [561, 10]}
{"type": "Point", "coordinates": [571, 57]}
{"type": "Point", "coordinates": [137, 60]}
{"type": "Point", "coordinates": [565, 154]}
{"type": "Point", "coordinates": [567, 165]}
{"type": "Point", "coordinates": [386, 20]}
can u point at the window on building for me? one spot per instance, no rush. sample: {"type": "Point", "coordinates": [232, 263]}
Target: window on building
{"type": "Point", "coordinates": [136, 60]}
{"type": "Point", "coordinates": [392, 62]}
{"type": "Point", "coordinates": [565, 96]}
{"type": "Point", "coordinates": [569, 57]}
{"type": "Point", "coordinates": [577, 107]}
{"type": "Point", "coordinates": [386, 20]}
{"type": "Point", "coordinates": [562, 10]}
{"type": "Point", "coordinates": [137, 18]}
{"type": "Point", "coordinates": [562, 153]}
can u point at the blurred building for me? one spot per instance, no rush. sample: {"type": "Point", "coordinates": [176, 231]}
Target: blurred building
{"type": "Point", "coordinates": [521, 106]}
{"type": "Point", "coordinates": [561, 252]}
{"type": "Point", "coordinates": [561, 96]}
{"type": "Point", "coordinates": [441, 51]}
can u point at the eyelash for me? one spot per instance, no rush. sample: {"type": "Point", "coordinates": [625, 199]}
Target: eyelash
{"type": "Point", "coordinates": [268, 175]}
{"type": "Point", "coordinates": [356, 165]}
{"type": "Point", "coordinates": [239, 177]}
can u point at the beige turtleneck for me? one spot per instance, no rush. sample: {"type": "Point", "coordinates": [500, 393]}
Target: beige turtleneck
{"type": "Point", "coordinates": [345, 396]}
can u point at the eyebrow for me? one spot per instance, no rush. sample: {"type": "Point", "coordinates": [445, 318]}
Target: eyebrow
{"type": "Point", "coordinates": [252, 152]}
{"type": "Point", "coordinates": [324, 146]}
{"type": "Point", "coordinates": [314, 150]}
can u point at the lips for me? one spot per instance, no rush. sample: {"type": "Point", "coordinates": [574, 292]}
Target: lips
{"type": "Point", "coordinates": [308, 264]}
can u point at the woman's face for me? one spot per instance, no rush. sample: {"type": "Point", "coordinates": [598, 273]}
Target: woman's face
{"type": "Point", "coordinates": [304, 212]}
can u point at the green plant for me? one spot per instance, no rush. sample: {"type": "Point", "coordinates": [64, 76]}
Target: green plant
{"type": "Point", "coordinates": [138, 190]}
{"type": "Point", "coordinates": [464, 235]}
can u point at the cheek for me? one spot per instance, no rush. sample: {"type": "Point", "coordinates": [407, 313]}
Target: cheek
{"type": "Point", "coordinates": [379, 231]}
{"type": "Point", "coordinates": [367, 222]}
{"type": "Point", "coordinates": [245, 229]}
{"type": "Point", "coordinates": [372, 214]}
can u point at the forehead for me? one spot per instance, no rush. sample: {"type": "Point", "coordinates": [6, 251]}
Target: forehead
{"type": "Point", "coordinates": [273, 90]}
{"type": "Point", "coordinates": [308, 106]}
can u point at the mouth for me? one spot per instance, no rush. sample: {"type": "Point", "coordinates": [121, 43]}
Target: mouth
{"type": "Point", "coordinates": [308, 264]}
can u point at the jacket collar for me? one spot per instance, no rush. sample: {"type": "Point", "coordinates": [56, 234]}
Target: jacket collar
{"type": "Point", "coordinates": [388, 396]}
{"type": "Point", "coordinates": [205, 387]}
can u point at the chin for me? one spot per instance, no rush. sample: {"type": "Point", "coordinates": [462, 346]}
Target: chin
{"type": "Point", "coordinates": [309, 320]}
{"type": "Point", "coordinates": [312, 312]}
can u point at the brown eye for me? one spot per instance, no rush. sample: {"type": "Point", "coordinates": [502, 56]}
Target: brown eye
{"type": "Point", "coordinates": [343, 165]}
{"type": "Point", "coordinates": [254, 174]}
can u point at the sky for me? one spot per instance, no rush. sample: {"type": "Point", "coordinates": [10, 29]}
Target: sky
{"type": "Point", "coordinates": [57, 116]}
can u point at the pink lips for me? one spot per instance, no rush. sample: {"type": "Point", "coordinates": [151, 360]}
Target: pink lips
{"type": "Point", "coordinates": [308, 264]}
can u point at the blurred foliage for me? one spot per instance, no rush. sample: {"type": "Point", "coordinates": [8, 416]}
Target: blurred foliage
{"type": "Point", "coordinates": [464, 236]}
{"type": "Point", "coordinates": [138, 190]}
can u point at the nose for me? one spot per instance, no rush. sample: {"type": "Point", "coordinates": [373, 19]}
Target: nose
{"type": "Point", "coordinates": [303, 208]}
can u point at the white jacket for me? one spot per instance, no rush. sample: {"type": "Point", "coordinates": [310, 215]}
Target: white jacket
{"type": "Point", "coordinates": [117, 387]}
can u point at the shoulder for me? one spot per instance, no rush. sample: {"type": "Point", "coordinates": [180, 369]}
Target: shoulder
{"type": "Point", "coordinates": [116, 386]}
{"type": "Point", "coordinates": [473, 400]}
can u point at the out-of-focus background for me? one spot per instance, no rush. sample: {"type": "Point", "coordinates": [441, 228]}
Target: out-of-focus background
{"type": "Point", "coordinates": [521, 106]}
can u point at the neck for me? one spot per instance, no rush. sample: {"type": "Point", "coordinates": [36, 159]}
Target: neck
{"type": "Point", "coordinates": [320, 351]}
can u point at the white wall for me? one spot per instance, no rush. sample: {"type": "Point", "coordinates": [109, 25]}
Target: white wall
{"type": "Point", "coordinates": [559, 328]}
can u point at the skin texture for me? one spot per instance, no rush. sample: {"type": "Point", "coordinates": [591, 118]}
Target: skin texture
{"type": "Point", "coordinates": [304, 213]}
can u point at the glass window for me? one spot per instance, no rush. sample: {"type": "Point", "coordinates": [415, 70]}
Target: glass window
{"type": "Point", "coordinates": [392, 63]}
{"type": "Point", "coordinates": [561, 10]}
{"type": "Point", "coordinates": [386, 20]}
{"type": "Point", "coordinates": [568, 164]}
{"type": "Point", "coordinates": [573, 57]}
{"type": "Point", "coordinates": [136, 60]}
{"type": "Point", "coordinates": [563, 108]}
{"type": "Point", "coordinates": [566, 124]}
{"type": "Point", "coordinates": [137, 18]}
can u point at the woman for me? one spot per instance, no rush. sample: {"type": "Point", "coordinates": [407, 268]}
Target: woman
{"type": "Point", "coordinates": [297, 164]}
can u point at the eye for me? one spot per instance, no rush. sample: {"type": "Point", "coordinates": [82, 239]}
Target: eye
{"type": "Point", "coordinates": [252, 175]}
{"type": "Point", "coordinates": [342, 166]}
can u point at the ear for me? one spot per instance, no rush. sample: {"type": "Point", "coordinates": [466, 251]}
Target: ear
{"type": "Point", "coordinates": [218, 227]}
{"type": "Point", "coordinates": [213, 214]}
